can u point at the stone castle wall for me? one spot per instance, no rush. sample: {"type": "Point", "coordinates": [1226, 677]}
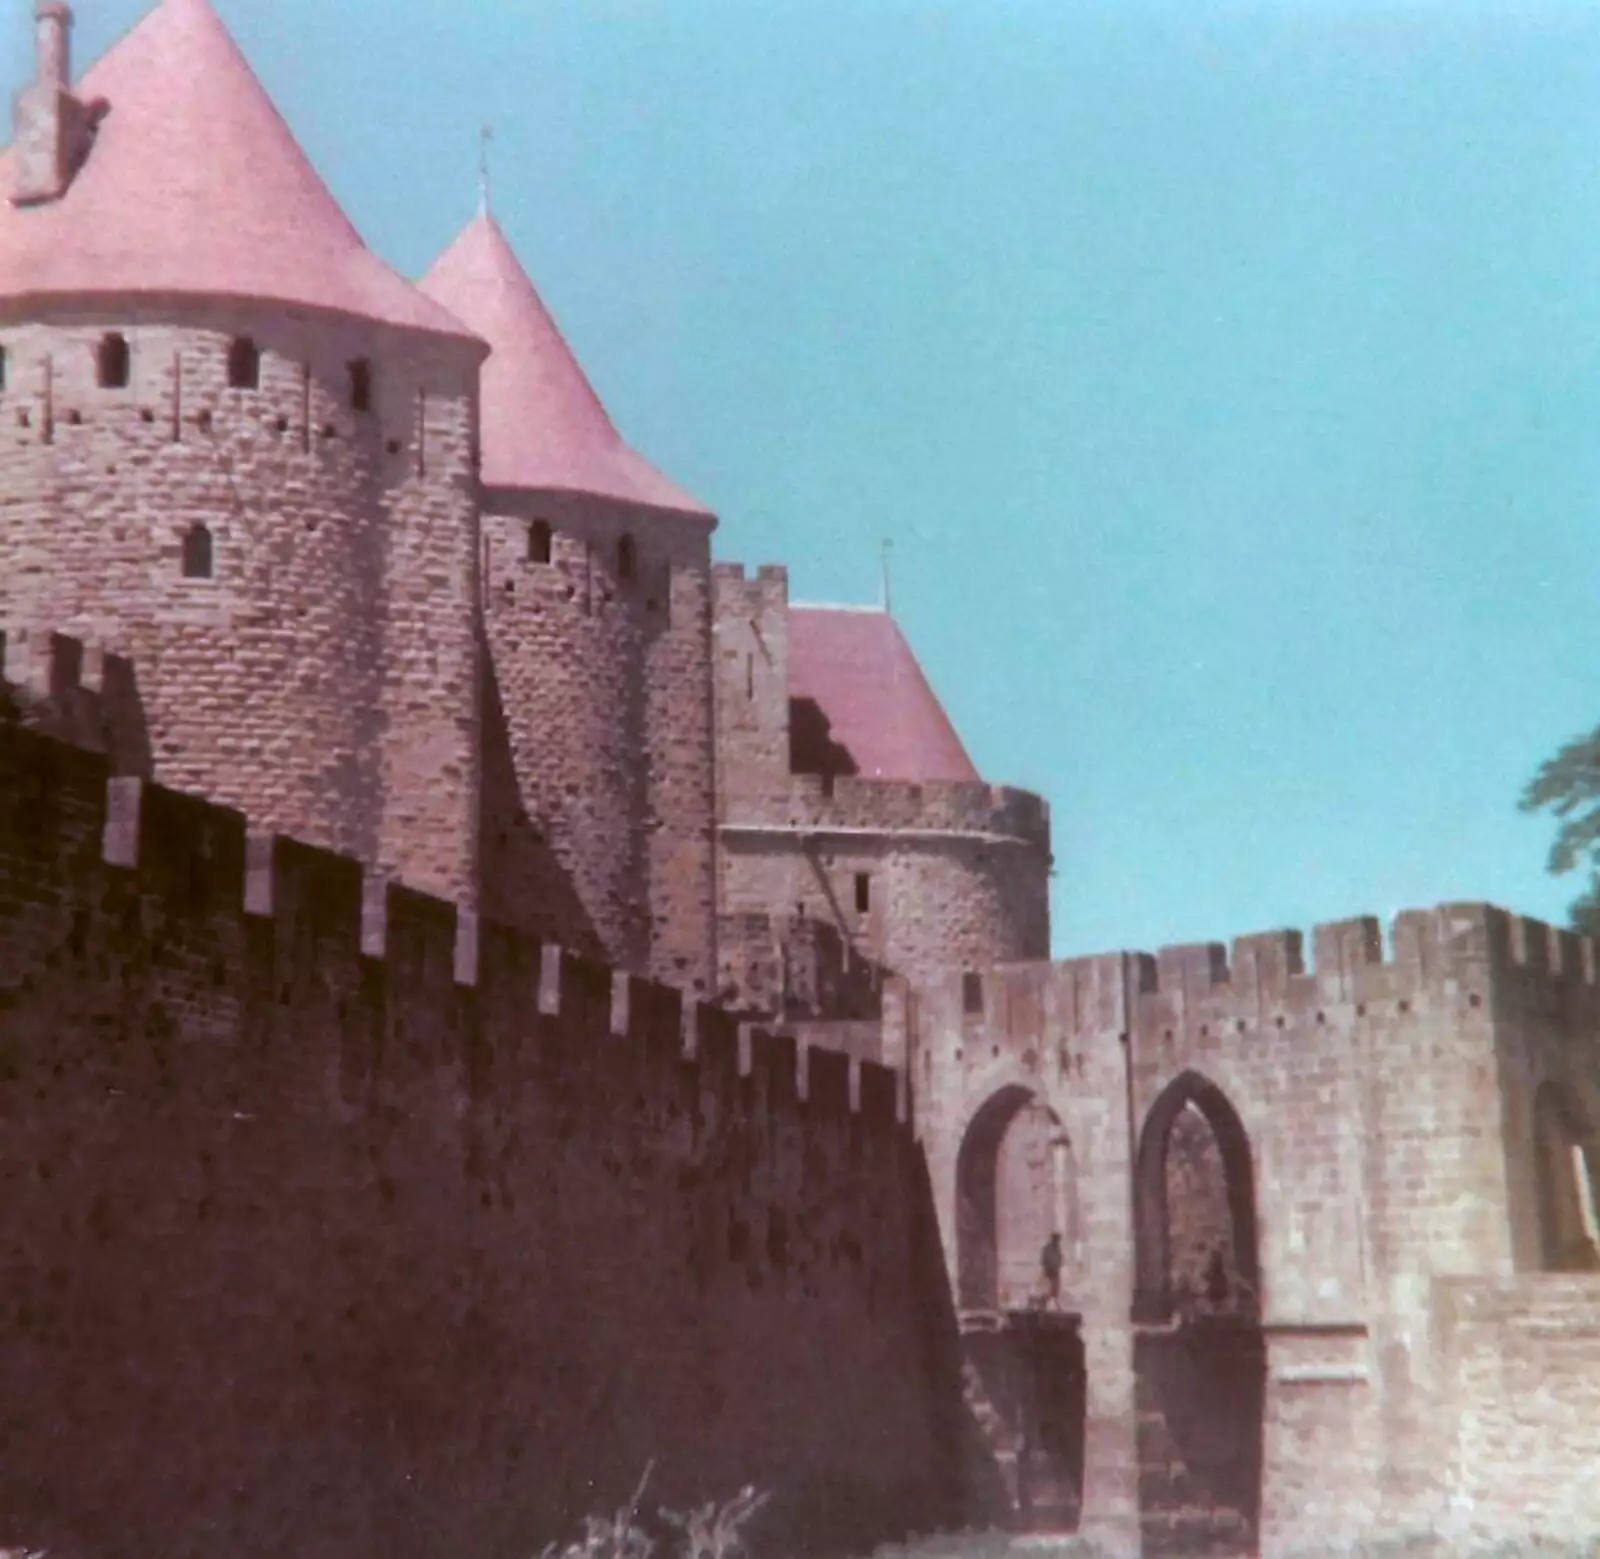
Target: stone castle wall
{"type": "Point", "coordinates": [326, 676]}
{"type": "Point", "coordinates": [1368, 1149]}
{"type": "Point", "coordinates": [681, 765]}
{"type": "Point", "coordinates": [268, 1122]}
{"type": "Point", "coordinates": [598, 816]}
{"type": "Point", "coordinates": [1546, 1016]}
{"type": "Point", "coordinates": [1332, 1196]}
{"type": "Point", "coordinates": [334, 1221]}
{"type": "Point", "coordinates": [565, 803]}
{"type": "Point", "coordinates": [1522, 1357]}
{"type": "Point", "coordinates": [917, 879]}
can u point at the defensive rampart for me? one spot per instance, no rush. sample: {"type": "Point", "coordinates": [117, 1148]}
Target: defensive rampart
{"type": "Point", "coordinates": [915, 878]}
{"type": "Point", "coordinates": [1372, 1127]}
{"type": "Point", "coordinates": [334, 1222]}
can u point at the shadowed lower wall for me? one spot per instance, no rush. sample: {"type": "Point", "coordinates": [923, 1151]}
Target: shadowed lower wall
{"type": "Point", "coordinates": [332, 1225]}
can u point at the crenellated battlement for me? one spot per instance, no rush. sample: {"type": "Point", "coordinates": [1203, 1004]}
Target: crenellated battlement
{"type": "Point", "coordinates": [769, 580]}
{"type": "Point", "coordinates": [1447, 954]}
{"type": "Point", "coordinates": [1256, 1009]}
{"type": "Point", "coordinates": [301, 1110]}
{"type": "Point", "coordinates": [77, 692]}
{"type": "Point", "coordinates": [1440, 953]}
{"type": "Point", "coordinates": [331, 920]}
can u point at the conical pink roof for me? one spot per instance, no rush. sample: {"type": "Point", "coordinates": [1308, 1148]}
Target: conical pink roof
{"type": "Point", "coordinates": [196, 186]}
{"type": "Point", "coordinates": [543, 424]}
{"type": "Point", "coordinates": [857, 668]}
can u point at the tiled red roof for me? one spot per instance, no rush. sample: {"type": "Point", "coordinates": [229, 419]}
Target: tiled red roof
{"type": "Point", "coordinates": [195, 185]}
{"type": "Point", "coordinates": [857, 669]}
{"type": "Point", "coordinates": [543, 424]}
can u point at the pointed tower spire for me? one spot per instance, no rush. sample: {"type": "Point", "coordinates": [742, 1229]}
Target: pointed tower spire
{"type": "Point", "coordinates": [485, 135]}
{"type": "Point", "coordinates": [167, 170]}
{"type": "Point", "coordinates": [859, 669]}
{"type": "Point", "coordinates": [543, 427]}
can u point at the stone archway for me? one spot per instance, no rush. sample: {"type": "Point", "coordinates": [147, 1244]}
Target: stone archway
{"type": "Point", "coordinates": [1014, 1189]}
{"type": "Point", "coordinates": [1567, 1177]}
{"type": "Point", "coordinates": [1199, 1354]}
{"type": "Point", "coordinates": [1022, 1347]}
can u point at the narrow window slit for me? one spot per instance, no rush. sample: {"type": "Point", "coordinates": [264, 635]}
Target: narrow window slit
{"type": "Point", "coordinates": [198, 552]}
{"type": "Point", "coordinates": [360, 385]}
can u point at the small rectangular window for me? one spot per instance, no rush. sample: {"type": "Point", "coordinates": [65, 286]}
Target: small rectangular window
{"type": "Point", "coordinates": [244, 365]}
{"type": "Point", "coordinates": [972, 994]}
{"type": "Point", "coordinates": [2, 370]}
{"type": "Point", "coordinates": [197, 553]}
{"type": "Point", "coordinates": [113, 362]}
{"type": "Point", "coordinates": [863, 893]}
{"type": "Point", "coordinates": [361, 385]}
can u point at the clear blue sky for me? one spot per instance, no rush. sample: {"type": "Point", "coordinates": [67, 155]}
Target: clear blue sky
{"type": "Point", "coordinates": [1228, 376]}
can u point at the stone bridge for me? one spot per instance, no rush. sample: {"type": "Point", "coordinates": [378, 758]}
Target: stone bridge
{"type": "Point", "coordinates": [1311, 1227]}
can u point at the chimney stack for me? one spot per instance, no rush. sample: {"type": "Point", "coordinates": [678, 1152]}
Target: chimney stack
{"type": "Point", "coordinates": [53, 30]}
{"type": "Point", "coordinates": [52, 128]}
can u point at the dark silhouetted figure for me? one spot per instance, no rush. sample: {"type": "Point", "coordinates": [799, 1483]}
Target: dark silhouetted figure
{"type": "Point", "coordinates": [1050, 1265]}
{"type": "Point", "coordinates": [1216, 1278]}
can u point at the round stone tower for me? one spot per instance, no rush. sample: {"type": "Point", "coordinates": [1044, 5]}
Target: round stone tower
{"type": "Point", "coordinates": [857, 839]}
{"type": "Point", "coordinates": [237, 448]}
{"type": "Point", "coordinates": [598, 758]}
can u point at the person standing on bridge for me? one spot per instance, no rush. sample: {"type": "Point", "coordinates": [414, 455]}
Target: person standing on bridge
{"type": "Point", "coordinates": [1050, 1265]}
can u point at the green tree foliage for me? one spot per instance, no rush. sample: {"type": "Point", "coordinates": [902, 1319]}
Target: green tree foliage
{"type": "Point", "coordinates": [1568, 785]}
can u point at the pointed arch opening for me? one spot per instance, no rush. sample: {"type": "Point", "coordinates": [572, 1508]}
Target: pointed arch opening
{"type": "Point", "coordinates": [1567, 1181]}
{"type": "Point", "coordinates": [1015, 1195]}
{"type": "Point", "coordinates": [1200, 1387]}
{"type": "Point", "coordinates": [1197, 1248]}
{"type": "Point", "coordinates": [1022, 1342]}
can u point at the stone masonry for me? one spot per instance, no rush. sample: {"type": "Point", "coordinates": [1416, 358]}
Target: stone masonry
{"type": "Point", "coordinates": [325, 674]}
{"type": "Point", "coordinates": [908, 878]}
{"type": "Point", "coordinates": [1391, 1173]}
{"type": "Point", "coordinates": [336, 1224]}
{"type": "Point", "coordinates": [470, 1026]}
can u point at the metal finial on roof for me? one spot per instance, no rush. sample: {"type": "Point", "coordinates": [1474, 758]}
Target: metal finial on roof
{"type": "Point", "coordinates": [485, 135]}
{"type": "Point", "coordinates": [888, 547]}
